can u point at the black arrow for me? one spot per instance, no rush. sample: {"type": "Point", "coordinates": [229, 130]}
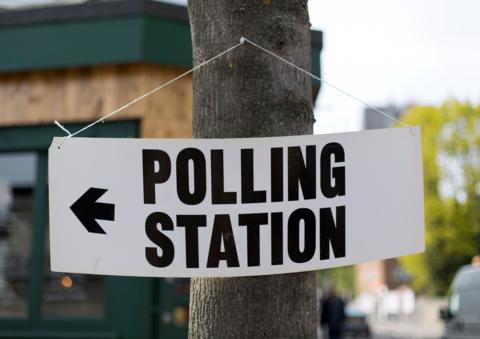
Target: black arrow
{"type": "Point", "coordinates": [87, 209]}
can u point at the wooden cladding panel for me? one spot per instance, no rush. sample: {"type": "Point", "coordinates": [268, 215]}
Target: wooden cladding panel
{"type": "Point", "coordinates": [85, 94]}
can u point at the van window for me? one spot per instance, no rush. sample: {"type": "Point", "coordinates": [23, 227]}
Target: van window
{"type": "Point", "coordinates": [454, 303]}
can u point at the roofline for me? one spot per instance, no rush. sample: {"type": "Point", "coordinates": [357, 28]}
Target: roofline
{"type": "Point", "coordinates": [147, 25]}
{"type": "Point", "coordinates": [106, 10]}
{"type": "Point", "coordinates": [93, 10]}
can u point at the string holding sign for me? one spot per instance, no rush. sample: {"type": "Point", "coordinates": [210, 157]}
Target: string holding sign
{"type": "Point", "coordinates": [325, 82]}
{"type": "Point", "coordinates": [242, 41]}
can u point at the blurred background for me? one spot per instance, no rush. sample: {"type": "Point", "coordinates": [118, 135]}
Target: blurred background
{"type": "Point", "coordinates": [75, 61]}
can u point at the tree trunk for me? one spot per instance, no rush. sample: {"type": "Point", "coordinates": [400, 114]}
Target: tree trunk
{"type": "Point", "coordinates": [247, 93]}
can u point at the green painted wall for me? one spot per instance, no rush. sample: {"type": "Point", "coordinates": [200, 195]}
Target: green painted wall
{"type": "Point", "coordinates": [100, 42]}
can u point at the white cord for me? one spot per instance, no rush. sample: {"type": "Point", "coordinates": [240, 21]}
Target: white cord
{"type": "Point", "coordinates": [324, 82]}
{"type": "Point", "coordinates": [241, 42]}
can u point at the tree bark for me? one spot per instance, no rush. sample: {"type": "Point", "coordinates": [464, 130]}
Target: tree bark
{"type": "Point", "coordinates": [247, 93]}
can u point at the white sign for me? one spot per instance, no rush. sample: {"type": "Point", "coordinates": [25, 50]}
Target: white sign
{"type": "Point", "coordinates": [234, 207]}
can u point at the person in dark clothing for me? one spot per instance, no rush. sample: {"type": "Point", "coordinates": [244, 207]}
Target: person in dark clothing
{"type": "Point", "coordinates": [333, 314]}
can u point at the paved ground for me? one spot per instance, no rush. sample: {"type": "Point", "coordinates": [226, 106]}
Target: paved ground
{"type": "Point", "coordinates": [387, 337]}
{"type": "Point", "coordinates": [404, 331]}
{"type": "Point", "coordinates": [423, 324]}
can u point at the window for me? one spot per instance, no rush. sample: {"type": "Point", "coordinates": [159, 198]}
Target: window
{"type": "Point", "coordinates": [35, 302]}
{"type": "Point", "coordinates": [454, 303]}
{"type": "Point", "coordinates": [17, 180]}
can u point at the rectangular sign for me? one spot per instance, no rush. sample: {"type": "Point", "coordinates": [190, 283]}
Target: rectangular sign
{"type": "Point", "coordinates": [234, 207]}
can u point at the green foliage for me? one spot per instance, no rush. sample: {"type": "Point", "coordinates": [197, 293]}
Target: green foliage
{"type": "Point", "coordinates": [451, 167]}
{"type": "Point", "coordinates": [342, 278]}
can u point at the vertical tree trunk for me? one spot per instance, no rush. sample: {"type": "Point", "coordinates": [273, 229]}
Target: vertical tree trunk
{"type": "Point", "coordinates": [250, 94]}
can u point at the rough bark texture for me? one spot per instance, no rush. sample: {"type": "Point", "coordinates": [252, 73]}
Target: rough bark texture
{"type": "Point", "coordinates": [247, 93]}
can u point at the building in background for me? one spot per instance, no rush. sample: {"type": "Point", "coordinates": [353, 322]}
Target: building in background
{"type": "Point", "coordinates": [75, 63]}
{"type": "Point", "coordinates": [373, 120]}
{"type": "Point", "coordinates": [376, 280]}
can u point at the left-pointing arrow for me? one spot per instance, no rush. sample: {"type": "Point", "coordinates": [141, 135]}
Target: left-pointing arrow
{"type": "Point", "coordinates": [87, 210]}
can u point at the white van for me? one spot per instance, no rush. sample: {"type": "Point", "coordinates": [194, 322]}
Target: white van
{"type": "Point", "coordinates": [462, 317]}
